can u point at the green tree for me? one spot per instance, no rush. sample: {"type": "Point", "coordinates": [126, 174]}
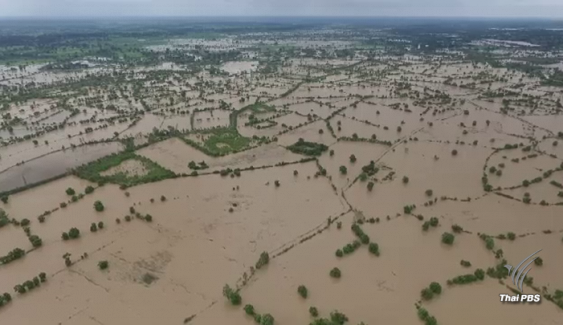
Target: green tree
{"type": "Point", "coordinates": [89, 189]}
{"type": "Point", "coordinates": [448, 238]}
{"type": "Point", "coordinates": [249, 310]}
{"type": "Point", "coordinates": [263, 260]}
{"type": "Point", "coordinates": [302, 290]}
{"type": "Point", "coordinates": [93, 227]}
{"type": "Point", "coordinates": [374, 249]}
{"type": "Point", "coordinates": [313, 311]}
{"type": "Point", "coordinates": [405, 180]}
{"type": "Point", "coordinates": [435, 287]}
{"type": "Point", "coordinates": [99, 206]}
{"type": "Point", "coordinates": [70, 191]}
{"type": "Point", "coordinates": [370, 186]}
{"type": "Point", "coordinates": [74, 233]}
{"type": "Point", "coordinates": [352, 158]}
{"type": "Point", "coordinates": [343, 170]}
{"type": "Point", "coordinates": [103, 265]}
{"type": "Point", "coordinates": [335, 273]}
{"type": "Point", "coordinates": [267, 319]}
{"type": "Point", "coordinates": [426, 294]}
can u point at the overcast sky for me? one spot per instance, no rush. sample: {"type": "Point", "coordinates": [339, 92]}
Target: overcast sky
{"type": "Point", "coordinates": [470, 8]}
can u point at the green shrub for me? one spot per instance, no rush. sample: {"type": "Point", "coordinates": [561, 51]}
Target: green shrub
{"type": "Point", "coordinates": [405, 180]}
{"type": "Point", "coordinates": [89, 190]}
{"type": "Point", "coordinates": [263, 260]}
{"type": "Point", "coordinates": [335, 273]}
{"type": "Point", "coordinates": [374, 249]}
{"type": "Point", "coordinates": [448, 238]}
{"type": "Point", "coordinates": [426, 294]}
{"type": "Point", "coordinates": [267, 319]}
{"type": "Point", "coordinates": [370, 186]}
{"type": "Point", "coordinates": [233, 296]}
{"type": "Point", "coordinates": [343, 170]}
{"type": "Point", "coordinates": [35, 241]}
{"type": "Point", "coordinates": [249, 310]}
{"type": "Point", "coordinates": [435, 287]}
{"type": "Point", "coordinates": [70, 191]}
{"type": "Point", "coordinates": [74, 233]}
{"type": "Point", "coordinates": [308, 148]}
{"type": "Point", "coordinates": [313, 311]}
{"type": "Point", "coordinates": [302, 290]}
{"type": "Point", "coordinates": [99, 206]}
{"type": "Point", "coordinates": [465, 263]}
{"type": "Point", "coordinates": [103, 265]}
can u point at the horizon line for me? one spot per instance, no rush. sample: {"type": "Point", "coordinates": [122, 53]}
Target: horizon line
{"type": "Point", "coordinates": [283, 16]}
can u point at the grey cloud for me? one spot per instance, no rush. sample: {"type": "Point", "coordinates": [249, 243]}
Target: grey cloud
{"type": "Point", "coordinates": [498, 8]}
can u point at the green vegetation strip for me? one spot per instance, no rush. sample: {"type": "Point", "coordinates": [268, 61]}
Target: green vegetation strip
{"type": "Point", "coordinates": [93, 170]}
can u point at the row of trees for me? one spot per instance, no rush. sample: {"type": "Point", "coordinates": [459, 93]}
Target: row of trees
{"type": "Point", "coordinates": [31, 284]}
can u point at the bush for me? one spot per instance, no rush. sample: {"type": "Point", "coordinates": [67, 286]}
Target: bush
{"type": "Point", "coordinates": [343, 170]}
{"type": "Point", "coordinates": [101, 225]}
{"type": "Point", "coordinates": [249, 310]}
{"type": "Point", "coordinates": [339, 253]}
{"type": "Point", "coordinates": [25, 222]}
{"type": "Point", "coordinates": [65, 236]}
{"type": "Point", "coordinates": [434, 222]}
{"type": "Point", "coordinates": [448, 238]}
{"type": "Point", "coordinates": [465, 263]}
{"type": "Point", "coordinates": [429, 192]}
{"type": "Point", "coordinates": [35, 241]}
{"type": "Point", "coordinates": [454, 152]}
{"type": "Point", "coordinates": [93, 227]}
{"type": "Point", "coordinates": [405, 180]}
{"type": "Point", "coordinates": [538, 261]}
{"type": "Point", "coordinates": [335, 273]}
{"type": "Point", "coordinates": [99, 206]}
{"type": "Point", "coordinates": [352, 159]}
{"type": "Point", "coordinates": [313, 311]}
{"type": "Point", "coordinates": [302, 290]}
{"type": "Point", "coordinates": [374, 249]}
{"type": "Point", "coordinates": [370, 186]}
{"type": "Point", "coordinates": [338, 318]}
{"type": "Point", "coordinates": [307, 148]}
{"type": "Point", "coordinates": [267, 319]}
{"type": "Point", "coordinates": [233, 296]}
{"type": "Point", "coordinates": [435, 287]}
{"type": "Point", "coordinates": [74, 233]}
{"type": "Point", "coordinates": [457, 229]}
{"type": "Point", "coordinates": [103, 265]}
{"type": "Point", "coordinates": [511, 236]}
{"type": "Point", "coordinates": [426, 294]}
{"type": "Point", "coordinates": [89, 189]}
{"type": "Point", "coordinates": [70, 191]}
{"type": "Point", "coordinates": [263, 260]}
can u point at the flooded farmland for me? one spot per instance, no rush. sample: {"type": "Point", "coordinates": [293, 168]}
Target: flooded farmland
{"type": "Point", "coordinates": [279, 173]}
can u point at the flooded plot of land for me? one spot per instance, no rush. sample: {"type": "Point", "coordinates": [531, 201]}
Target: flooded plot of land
{"type": "Point", "coordinates": [240, 173]}
{"type": "Point", "coordinates": [54, 164]}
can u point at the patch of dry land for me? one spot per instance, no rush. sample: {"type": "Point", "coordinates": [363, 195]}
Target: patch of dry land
{"type": "Point", "coordinates": [324, 189]}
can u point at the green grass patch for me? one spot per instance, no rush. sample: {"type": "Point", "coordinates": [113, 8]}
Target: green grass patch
{"type": "Point", "coordinates": [93, 170]}
{"type": "Point", "coordinates": [308, 148]}
{"type": "Point", "coordinates": [221, 141]}
{"type": "Point", "coordinates": [258, 108]}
